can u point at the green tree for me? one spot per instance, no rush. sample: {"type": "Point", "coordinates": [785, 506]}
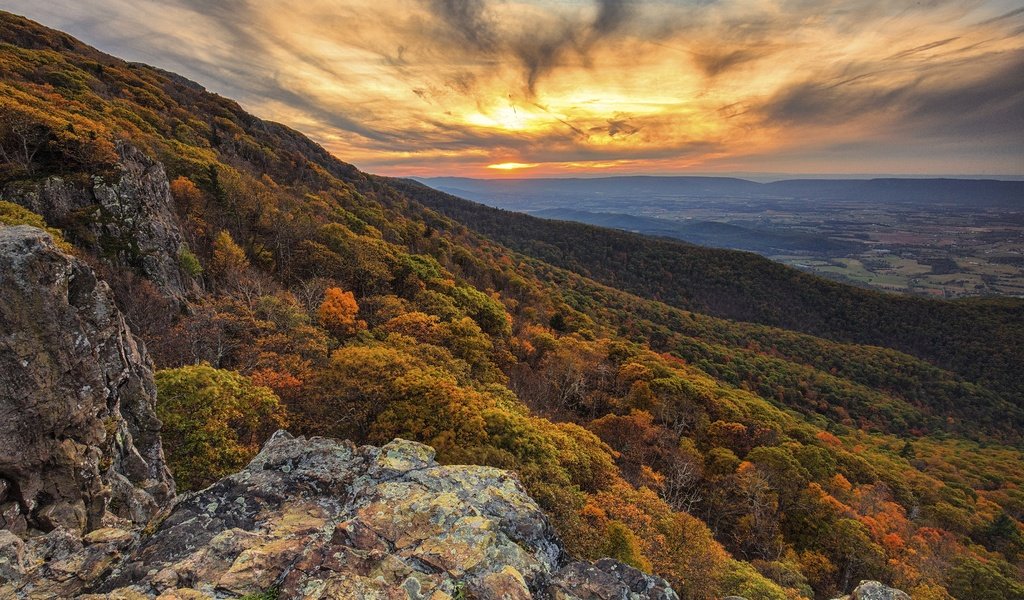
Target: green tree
{"type": "Point", "coordinates": [623, 545]}
{"type": "Point", "coordinates": [979, 580]}
{"type": "Point", "coordinates": [213, 421]}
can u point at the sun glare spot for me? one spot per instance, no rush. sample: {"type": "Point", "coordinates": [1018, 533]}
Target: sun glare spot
{"type": "Point", "coordinates": [511, 166]}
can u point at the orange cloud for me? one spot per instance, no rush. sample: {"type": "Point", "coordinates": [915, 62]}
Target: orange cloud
{"type": "Point", "coordinates": [471, 87]}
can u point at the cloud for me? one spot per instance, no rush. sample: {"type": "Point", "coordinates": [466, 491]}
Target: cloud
{"type": "Point", "coordinates": [718, 61]}
{"type": "Point", "coordinates": [540, 43]}
{"type": "Point", "coordinates": [469, 21]}
{"type": "Point", "coordinates": [982, 98]}
{"type": "Point", "coordinates": [457, 85]}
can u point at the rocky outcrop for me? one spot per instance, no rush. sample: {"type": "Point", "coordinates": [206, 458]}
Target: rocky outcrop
{"type": "Point", "coordinates": [317, 518]}
{"type": "Point", "coordinates": [129, 222]}
{"type": "Point", "coordinates": [79, 439]}
{"type": "Point", "coordinates": [320, 519]}
{"type": "Point", "coordinates": [873, 590]}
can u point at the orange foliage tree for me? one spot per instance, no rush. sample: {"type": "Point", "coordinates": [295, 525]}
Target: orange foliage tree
{"type": "Point", "coordinates": [337, 313]}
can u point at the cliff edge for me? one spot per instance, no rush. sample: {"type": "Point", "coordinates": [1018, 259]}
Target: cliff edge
{"type": "Point", "coordinates": [79, 437]}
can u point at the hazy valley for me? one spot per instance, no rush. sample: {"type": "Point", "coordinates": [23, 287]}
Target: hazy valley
{"type": "Point", "coordinates": [943, 238]}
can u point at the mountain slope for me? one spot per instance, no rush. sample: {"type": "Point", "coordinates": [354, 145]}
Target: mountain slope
{"type": "Point", "coordinates": [730, 458]}
{"type": "Point", "coordinates": [980, 339]}
{"type": "Point", "coordinates": [92, 508]}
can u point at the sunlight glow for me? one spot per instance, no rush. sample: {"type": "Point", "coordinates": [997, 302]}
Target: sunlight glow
{"type": "Point", "coordinates": [511, 166]}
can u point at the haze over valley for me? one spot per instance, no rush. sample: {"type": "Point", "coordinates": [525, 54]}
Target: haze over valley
{"type": "Point", "coordinates": [938, 237]}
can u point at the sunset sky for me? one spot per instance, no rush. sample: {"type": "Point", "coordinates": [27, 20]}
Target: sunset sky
{"type": "Point", "coordinates": [526, 88]}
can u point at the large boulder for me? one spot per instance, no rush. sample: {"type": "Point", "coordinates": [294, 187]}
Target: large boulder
{"type": "Point", "coordinates": [874, 590]}
{"type": "Point", "coordinates": [79, 438]}
{"type": "Point", "coordinates": [128, 220]}
{"type": "Point", "coordinates": [317, 518]}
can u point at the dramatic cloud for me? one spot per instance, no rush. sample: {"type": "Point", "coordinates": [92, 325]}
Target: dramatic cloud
{"type": "Point", "coordinates": [568, 86]}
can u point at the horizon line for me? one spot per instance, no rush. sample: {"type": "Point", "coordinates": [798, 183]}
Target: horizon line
{"type": "Point", "coordinates": [756, 177]}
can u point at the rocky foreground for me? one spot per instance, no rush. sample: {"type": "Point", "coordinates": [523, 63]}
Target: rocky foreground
{"type": "Point", "coordinates": [87, 506]}
{"type": "Point", "coordinates": [318, 518]}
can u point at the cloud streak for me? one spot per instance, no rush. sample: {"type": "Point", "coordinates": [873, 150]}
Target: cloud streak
{"type": "Point", "coordinates": [452, 86]}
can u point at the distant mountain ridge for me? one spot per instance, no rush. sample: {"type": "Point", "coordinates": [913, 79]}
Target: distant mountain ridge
{"type": "Point", "coordinates": [979, 191]}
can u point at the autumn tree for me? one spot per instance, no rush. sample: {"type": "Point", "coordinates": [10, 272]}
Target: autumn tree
{"type": "Point", "coordinates": [337, 313]}
{"type": "Point", "coordinates": [348, 393]}
{"type": "Point", "coordinates": [229, 263]}
{"type": "Point", "coordinates": [214, 422]}
{"type": "Point", "coordinates": [32, 139]}
{"type": "Point", "coordinates": [23, 134]}
{"type": "Point", "coordinates": [187, 196]}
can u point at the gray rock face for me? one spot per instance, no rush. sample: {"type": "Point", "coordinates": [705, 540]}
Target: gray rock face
{"type": "Point", "coordinates": [12, 556]}
{"type": "Point", "coordinates": [129, 222]}
{"type": "Point", "coordinates": [607, 578]}
{"type": "Point", "coordinates": [873, 590]}
{"type": "Point", "coordinates": [316, 518]}
{"type": "Point", "coordinates": [79, 439]}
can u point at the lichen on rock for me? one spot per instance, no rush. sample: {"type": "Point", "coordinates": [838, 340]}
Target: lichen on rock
{"type": "Point", "coordinates": [317, 518]}
{"type": "Point", "coordinates": [874, 590]}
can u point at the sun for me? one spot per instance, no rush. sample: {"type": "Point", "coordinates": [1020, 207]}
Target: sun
{"type": "Point", "coordinates": [512, 166]}
{"type": "Point", "coordinates": [508, 118]}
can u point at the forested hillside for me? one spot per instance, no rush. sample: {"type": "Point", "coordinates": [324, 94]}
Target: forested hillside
{"type": "Point", "coordinates": [980, 339]}
{"type": "Point", "coordinates": [277, 286]}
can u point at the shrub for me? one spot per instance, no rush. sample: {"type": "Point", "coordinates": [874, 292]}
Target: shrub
{"type": "Point", "coordinates": [15, 214]}
{"type": "Point", "coordinates": [213, 422]}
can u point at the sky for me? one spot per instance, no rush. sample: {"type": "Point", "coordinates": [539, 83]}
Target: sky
{"type": "Point", "coordinates": [525, 88]}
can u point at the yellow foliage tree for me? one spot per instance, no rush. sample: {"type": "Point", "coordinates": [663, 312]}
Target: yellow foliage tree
{"type": "Point", "coordinates": [229, 261]}
{"type": "Point", "coordinates": [214, 421]}
{"type": "Point", "coordinates": [186, 194]}
{"type": "Point", "coordinates": [623, 545]}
